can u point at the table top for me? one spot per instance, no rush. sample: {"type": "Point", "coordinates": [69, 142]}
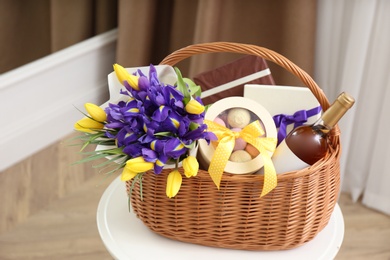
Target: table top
{"type": "Point", "coordinates": [126, 237]}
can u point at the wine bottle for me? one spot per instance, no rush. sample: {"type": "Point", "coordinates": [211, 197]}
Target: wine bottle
{"type": "Point", "coordinates": [307, 144]}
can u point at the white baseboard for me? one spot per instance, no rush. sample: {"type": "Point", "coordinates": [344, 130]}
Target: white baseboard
{"type": "Point", "coordinates": [38, 100]}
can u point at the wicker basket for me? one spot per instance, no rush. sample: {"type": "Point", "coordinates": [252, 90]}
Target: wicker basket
{"type": "Point", "coordinates": [235, 216]}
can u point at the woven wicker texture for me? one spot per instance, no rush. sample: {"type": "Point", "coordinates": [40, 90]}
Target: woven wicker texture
{"type": "Point", "coordinates": [235, 216]}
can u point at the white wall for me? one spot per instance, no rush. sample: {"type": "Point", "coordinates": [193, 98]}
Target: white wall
{"type": "Point", "coordinates": [38, 100]}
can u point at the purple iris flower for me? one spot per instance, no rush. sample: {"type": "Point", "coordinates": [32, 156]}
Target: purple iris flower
{"type": "Point", "coordinates": [153, 123]}
{"type": "Point", "coordinates": [174, 148]}
{"type": "Point", "coordinates": [149, 126]}
{"type": "Point", "coordinates": [171, 124]}
{"type": "Point", "coordinates": [131, 108]}
{"type": "Point", "coordinates": [173, 98]}
{"type": "Point", "coordinates": [161, 113]}
{"type": "Point", "coordinates": [184, 126]}
{"type": "Point", "coordinates": [156, 96]}
{"type": "Point", "coordinates": [160, 163]}
{"type": "Point", "coordinates": [114, 115]}
{"type": "Point", "coordinates": [126, 136]}
{"type": "Point", "coordinates": [139, 95]}
{"type": "Point", "coordinates": [149, 155]}
{"type": "Point", "coordinates": [155, 152]}
{"type": "Point", "coordinates": [113, 111]}
{"type": "Point", "coordinates": [195, 134]}
{"type": "Point", "coordinates": [143, 83]}
{"type": "Point", "coordinates": [146, 139]}
{"type": "Point", "coordinates": [153, 78]}
{"type": "Point", "coordinates": [159, 159]}
{"type": "Point", "coordinates": [133, 150]}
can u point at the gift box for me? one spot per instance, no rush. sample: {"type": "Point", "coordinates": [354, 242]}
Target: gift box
{"type": "Point", "coordinates": [289, 106]}
{"type": "Point", "coordinates": [228, 80]}
{"type": "Point", "coordinates": [237, 114]}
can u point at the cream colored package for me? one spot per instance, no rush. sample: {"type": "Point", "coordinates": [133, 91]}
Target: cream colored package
{"type": "Point", "coordinates": [206, 151]}
{"type": "Point", "coordinates": [283, 100]}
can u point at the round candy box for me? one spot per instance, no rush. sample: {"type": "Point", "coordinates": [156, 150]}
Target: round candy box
{"type": "Point", "coordinates": [236, 113]}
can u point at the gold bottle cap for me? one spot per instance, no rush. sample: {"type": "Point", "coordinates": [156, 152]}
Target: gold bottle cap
{"type": "Point", "coordinates": [337, 109]}
{"type": "Point", "coordinates": [346, 100]}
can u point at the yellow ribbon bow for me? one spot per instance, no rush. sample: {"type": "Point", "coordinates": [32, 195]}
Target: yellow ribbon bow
{"type": "Point", "coordinates": [251, 134]}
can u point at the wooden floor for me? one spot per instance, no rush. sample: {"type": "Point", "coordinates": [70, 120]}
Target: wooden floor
{"type": "Point", "coordinates": [67, 230]}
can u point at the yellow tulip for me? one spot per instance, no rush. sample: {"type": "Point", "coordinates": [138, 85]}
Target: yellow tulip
{"type": "Point", "coordinates": [190, 166]}
{"type": "Point", "coordinates": [194, 107]}
{"type": "Point", "coordinates": [123, 75]}
{"type": "Point", "coordinates": [127, 174]}
{"type": "Point", "coordinates": [173, 183]}
{"type": "Point", "coordinates": [96, 112]}
{"type": "Point", "coordinates": [87, 125]}
{"type": "Point", "coordinates": [138, 165]}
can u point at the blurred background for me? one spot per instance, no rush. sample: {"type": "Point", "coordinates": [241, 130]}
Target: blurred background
{"type": "Point", "coordinates": [56, 54]}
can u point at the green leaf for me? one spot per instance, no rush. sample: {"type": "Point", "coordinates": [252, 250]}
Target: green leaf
{"type": "Point", "coordinates": [163, 134]}
{"type": "Point", "coordinates": [195, 90]}
{"type": "Point", "coordinates": [108, 142]}
{"type": "Point", "coordinates": [206, 107]}
{"type": "Point", "coordinates": [193, 126]}
{"type": "Point", "coordinates": [90, 158]}
{"type": "Point", "coordinates": [106, 152]}
{"type": "Point", "coordinates": [119, 166]}
{"type": "Point", "coordinates": [110, 161]}
{"type": "Point", "coordinates": [181, 85]}
{"type": "Point", "coordinates": [186, 100]}
{"type": "Point", "coordinates": [190, 146]}
{"type": "Point", "coordinates": [95, 155]}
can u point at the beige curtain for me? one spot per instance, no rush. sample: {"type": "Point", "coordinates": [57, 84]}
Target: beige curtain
{"type": "Point", "coordinates": [148, 31]}
{"type": "Point", "coordinates": [354, 56]}
{"type": "Point", "coordinates": [151, 29]}
{"type": "Point", "coordinates": [30, 30]}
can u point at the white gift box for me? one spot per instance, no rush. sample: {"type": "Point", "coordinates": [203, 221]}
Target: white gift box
{"type": "Point", "coordinates": [283, 100]}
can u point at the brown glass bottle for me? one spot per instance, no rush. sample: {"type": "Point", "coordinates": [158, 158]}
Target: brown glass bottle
{"type": "Point", "coordinates": [309, 143]}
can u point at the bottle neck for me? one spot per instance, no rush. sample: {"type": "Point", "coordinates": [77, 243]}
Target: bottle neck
{"type": "Point", "coordinates": [321, 126]}
{"type": "Point", "coordinates": [334, 113]}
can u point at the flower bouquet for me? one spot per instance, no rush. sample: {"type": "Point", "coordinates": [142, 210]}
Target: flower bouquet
{"type": "Point", "coordinates": [150, 126]}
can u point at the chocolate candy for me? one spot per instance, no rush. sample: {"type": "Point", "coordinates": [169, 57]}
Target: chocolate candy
{"type": "Point", "coordinates": [252, 150]}
{"type": "Point", "coordinates": [238, 117]}
{"type": "Point", "coordinates": [240, 143]}
{"type": "Point", "coordinates": [219, 121]}
{"type": "Point", "coordinates": [240, 156]}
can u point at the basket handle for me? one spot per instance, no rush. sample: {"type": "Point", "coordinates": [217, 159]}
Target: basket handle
{"type": "Point", "coordinates": [270, 55]}
{"type": "Point", "coordinates": [241, 48]}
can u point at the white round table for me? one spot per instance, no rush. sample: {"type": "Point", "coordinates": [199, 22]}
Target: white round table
{"type": "Point", "coordinates": [126, 237]}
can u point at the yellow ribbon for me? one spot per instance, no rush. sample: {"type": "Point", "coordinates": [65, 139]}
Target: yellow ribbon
{"type": "Point", "coordinates": [251, 134]}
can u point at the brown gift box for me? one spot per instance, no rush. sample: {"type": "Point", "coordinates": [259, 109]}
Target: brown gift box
{"type": "Point", "coordinates": [230, 72]}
